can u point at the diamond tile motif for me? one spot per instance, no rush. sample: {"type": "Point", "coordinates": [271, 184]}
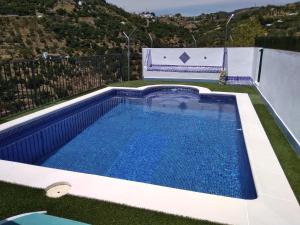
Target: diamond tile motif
{"type": "Point", "coordinates": [184, 57]}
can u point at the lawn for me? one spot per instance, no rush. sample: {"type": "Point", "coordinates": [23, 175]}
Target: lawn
{"type": "Point", "coordinates": [17, 199]}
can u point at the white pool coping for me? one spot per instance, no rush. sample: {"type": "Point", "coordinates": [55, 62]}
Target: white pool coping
{"type": "Point", "coordinates": [275, 204]}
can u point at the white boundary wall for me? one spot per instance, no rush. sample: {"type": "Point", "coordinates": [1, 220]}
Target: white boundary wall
{"type": "Point", "coordinates": [198, 56]}
{"type": "Point", "coordinates": [240, 62]}
{"type": "Point", "coordinates": [170, 56]}
{"type": "Point", "coordinates": [280, 86]}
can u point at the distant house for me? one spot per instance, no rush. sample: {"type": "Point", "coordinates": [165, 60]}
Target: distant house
{"type": "Point", "coordinates": [190, 26]}
{"type": "Point", "coordinates": [147, 15]}
{"type": "Point", "coordinates": [39, 15]}
{"type": "Point", "coordinates": [49, 56]}
{"type": "Point", "coordinates": [292, 14]}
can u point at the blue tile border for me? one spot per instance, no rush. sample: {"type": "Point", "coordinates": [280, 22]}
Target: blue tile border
{"type": "Point", "coordinates": [183, 80]}
{"type": "Point", "coordinates": [239, 80]}
{"type": "Point", "coordinates": [185, 69]}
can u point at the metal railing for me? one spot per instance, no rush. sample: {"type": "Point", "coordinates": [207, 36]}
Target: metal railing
{"type": "Point", "coordinates": [27, 84]}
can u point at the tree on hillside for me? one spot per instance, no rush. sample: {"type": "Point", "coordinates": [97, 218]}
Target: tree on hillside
{"type": "Point", "coordinates": [244, 34]}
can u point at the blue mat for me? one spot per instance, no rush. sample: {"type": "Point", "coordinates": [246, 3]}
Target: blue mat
{"type": "Point", "coordinates": [41, 219]}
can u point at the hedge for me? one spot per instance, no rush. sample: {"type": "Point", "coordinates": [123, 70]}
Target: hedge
{"type": "Point", "coordinates": [290, 43]}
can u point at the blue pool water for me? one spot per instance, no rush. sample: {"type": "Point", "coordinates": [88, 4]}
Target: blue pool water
{"type": "Point", "coordinates": [171, 137]}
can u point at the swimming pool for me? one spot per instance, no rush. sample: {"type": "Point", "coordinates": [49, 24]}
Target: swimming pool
{"type": "Point", "coordinates": [184, 150]}
{"type": "Point", "coordinates": [171, 136]}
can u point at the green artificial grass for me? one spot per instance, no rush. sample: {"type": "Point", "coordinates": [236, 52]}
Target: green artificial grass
{"type": "Point", "coordinates": [16, 199]}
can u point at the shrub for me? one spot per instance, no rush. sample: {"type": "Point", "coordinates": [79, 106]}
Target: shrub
{"type": "Point", "coordinates": [290, 43]}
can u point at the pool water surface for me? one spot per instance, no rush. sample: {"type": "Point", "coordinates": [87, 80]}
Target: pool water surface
{"type": "Point", "coordinates": [170, 138]}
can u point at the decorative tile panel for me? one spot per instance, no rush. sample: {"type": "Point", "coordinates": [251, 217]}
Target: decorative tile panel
{"type": "Point", "coordinates": [184, 57]}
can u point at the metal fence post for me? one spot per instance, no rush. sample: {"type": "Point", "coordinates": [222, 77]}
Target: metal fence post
{"type": "Point", "coordinates": [121, 67]}
{"type": "Point", "coordinates": [34, 80]}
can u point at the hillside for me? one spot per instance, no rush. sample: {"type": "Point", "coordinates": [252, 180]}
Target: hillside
{"type": "Point", "coordinates": [246, 25]}
{"type": "Point", "coordinates": [30, 27]}
{"type": "Point", "coordinates": [66, 27]}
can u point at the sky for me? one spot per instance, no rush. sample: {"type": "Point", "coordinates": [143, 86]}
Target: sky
{"type": "Point", "coordinates": [190, 7]}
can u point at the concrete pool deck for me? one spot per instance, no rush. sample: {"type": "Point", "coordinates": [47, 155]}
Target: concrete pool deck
{"type": "Point", "coordinates": [275, 204]}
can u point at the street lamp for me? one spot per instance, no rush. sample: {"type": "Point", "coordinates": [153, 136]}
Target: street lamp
{"type": "Point", "coordinates": [225, 43]}
{"type": "Point", "coordinates": [151, 39]}
{"type": "Point", "coordinates": [195, 42]}
{"type": "Point", "coordinates": [128, 50]}
{"type": "Point", "coordinates": [226, 28]}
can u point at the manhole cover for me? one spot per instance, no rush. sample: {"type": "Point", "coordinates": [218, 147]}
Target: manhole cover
{"type": "Point", "coordinates": [58, 189]}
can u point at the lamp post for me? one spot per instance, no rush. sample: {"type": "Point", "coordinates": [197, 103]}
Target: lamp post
{"type": "Point", "coordinates": [225, 42]}
{"type": "Point", "coordinates": [195, 41]}
{"type": "Point", "coordinates": [151, 39]}
{"type": "Point", "coordinates": [149, 35]}
{"type": "Point", "coordinates": [226, 28]}
{"type": "Point", "coordinates": [128, 50]}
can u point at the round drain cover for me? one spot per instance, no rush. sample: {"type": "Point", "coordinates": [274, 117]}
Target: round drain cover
{"type": "Point", "coordinates": [58, 189]}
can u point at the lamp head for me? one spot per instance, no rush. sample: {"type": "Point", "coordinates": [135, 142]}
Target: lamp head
{"type": "Point", "coordinates": [230, 18]}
